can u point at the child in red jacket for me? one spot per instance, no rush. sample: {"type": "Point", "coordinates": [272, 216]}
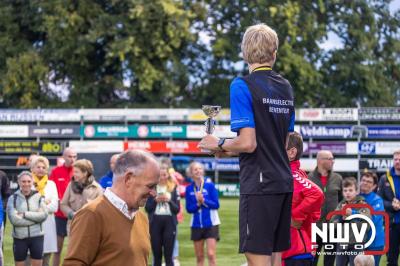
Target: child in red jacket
{"type": "Point", "coordinates": [306, 207]}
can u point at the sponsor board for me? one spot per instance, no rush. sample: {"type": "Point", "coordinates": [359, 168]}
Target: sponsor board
{"type": "Point", "coordinates": [33, 115]}
{"type": "Point", "coordinates": [376, 164]}
{"type": "Point", "coordinates": [54, 131]}
{"type": "Point", "coordinates": [367, 148]}
{"type": "Point", "coordinates": [334, 147]}
{"type": "Point", "coordinates": [327, 114]}
{"type": "Point", "coordinates": [164, 146]}
{"type": "Point", "coordinates": [134, 131]}
{"type": "Point", "coordinates": [94, 146]}
{"type": "Point", "coordinates": [341, 165]}
{"type": "Point", "coordinates": [385, 132]}
{"type": "Point", "coordinates": [14, 131]}
{"type": "Point", "coordinates": [379, 114]}
{"type": "Point", "coordinates": [228, 190]}
{"type": "Point", "coordinates": [378, 148]}
{"type": "Point", "coordinates": [221, 164]}
{"type": "Point", "coordinates": [326, 131]}
{"type": "Point", "coordinates": [31, 146]}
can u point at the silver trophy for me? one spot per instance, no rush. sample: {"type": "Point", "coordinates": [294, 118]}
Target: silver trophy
{"type": "Point", "coordinates": [210, 111]}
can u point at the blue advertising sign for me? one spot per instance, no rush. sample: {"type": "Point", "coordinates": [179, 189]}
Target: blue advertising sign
{"type": "Point", "coordinates": [384, 132]}
{"type": "Point", "coordinates": [367, 148]}
{"type": "Point", "coordinates": [222, 164]}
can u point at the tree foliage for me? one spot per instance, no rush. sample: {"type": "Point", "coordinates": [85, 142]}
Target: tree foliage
{"type": "Point", "coordinates": [104, 53]}
{"type": "Point", "coordinates": [108, 53]}
{"type": "Point", "coordinates": [365, 70]}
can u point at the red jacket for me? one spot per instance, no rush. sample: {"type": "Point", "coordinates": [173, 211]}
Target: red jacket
{"type": "Point", "coordinates": [306, 207]}
{"type": "Point", "coordinates": [61, 175]}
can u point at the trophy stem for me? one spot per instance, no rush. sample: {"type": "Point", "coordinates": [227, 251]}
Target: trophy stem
{"type": "Point", "coordinates": [209, 125]}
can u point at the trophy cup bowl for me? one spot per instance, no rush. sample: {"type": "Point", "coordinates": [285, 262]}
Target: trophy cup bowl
{"type": "Point", "coordinates": [210, 111]}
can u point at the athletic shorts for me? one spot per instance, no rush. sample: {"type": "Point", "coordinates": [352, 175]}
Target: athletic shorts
{"type": "Point", "coordinates": [300, 262]}
{"type": "Point", "coordinates": [264, 223]}
{"type": "Point", "coordinates": [61, 226]}
{"type": "Point", "coordinates": [204, 233]}
{"type": "Point", "coordinates": [33, 244]}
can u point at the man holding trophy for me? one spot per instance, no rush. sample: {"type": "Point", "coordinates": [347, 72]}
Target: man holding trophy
{"type": "Point", "coordinates": [262, 113]}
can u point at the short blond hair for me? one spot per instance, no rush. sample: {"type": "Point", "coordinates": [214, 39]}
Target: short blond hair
{"type": "Point", "coordinates": [396, 152]}
{"type": "Point", "coordinates": [259, 44]}
{"type": "Point", "coordinates": [40, 159]}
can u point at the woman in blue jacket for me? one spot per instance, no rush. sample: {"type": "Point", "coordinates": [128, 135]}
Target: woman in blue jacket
{"type": "Point", "coordinates": [202, 202]}
{"type": "Point", "coordinates": [368, 184]}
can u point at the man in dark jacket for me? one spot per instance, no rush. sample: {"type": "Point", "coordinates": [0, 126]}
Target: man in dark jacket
{"type": "Point", "coordinates": [331, 184]}
{"type": "Point", "coordinates": [389, 190]}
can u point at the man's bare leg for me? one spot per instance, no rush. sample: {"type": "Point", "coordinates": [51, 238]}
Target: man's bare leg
{"type": "Point", "coordinates": [257, 260]}
{"type": "Point", "coordinates": [276, 258]}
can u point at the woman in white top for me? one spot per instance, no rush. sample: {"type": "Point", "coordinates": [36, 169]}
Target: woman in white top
{"type": "Point", "coordinates": [48, 189]}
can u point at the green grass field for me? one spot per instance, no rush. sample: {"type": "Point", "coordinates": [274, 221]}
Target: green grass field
{"type": "Point", "coordinates": [227, 248]}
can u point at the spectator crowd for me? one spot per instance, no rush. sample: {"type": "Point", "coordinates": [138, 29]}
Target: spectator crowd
{"type": "Point", "coordinates": [47, 206]}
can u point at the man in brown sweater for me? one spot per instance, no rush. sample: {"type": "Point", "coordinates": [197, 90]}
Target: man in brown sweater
{"type": "Point", "coordinates": [111, 230]}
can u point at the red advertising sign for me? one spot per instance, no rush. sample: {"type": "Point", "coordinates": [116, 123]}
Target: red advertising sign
{"type": "Point", "coordinates": [164, 146]}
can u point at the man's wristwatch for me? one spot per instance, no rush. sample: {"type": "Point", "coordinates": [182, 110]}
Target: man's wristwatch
{"type": "Point", "coordinates": [220, 143]}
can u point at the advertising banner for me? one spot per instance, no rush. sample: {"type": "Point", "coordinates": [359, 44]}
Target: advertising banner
{"type": "Point", "coordinates": [376, 164]}
{"type": "Point", "coordinates": [335, 147]}
{"type": "Point", "coordinates": [379, 114]}
{"type": "Point", "coordinates": [327, 114]}
{"type": "Point", "coordinates": [221, 164]}
{"type": "Point", "coordinates": [326, 132]}
{"type": "Point", "coordinates": [31, 146]}
{"type": "Point", "coordinates": [228, 190]}
{"type": "Point", "coordinates": [386, 148]}
{"type": "Point", "coordinates": [33, 115]}
{"type": "Point", "coordinates": [134, 131]}
{"type": "Point", "coordinates": [7, 131]}
{"type": "Point", "coordinates": [384, 132]}
{"type": "Point", "coordinates": [164, 146]}
{"type": "Point", "coordinates": [54, 131]}
{"type": "Point", "coordinates": [94, 146]}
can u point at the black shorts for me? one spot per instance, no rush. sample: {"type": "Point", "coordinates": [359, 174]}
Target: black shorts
{"type": "Point", "coordinates": [204, 233]}
{"type": "Point", "coordinates": [264, 223]}
{"type": "Point", "coordinates": [33, 244]}
{"type": "Point", "coordinates": [61, 226]}
{"type": "Point", "coordinates": [301, 262]}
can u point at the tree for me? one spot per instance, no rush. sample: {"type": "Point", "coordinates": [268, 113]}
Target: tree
{"type": "Point", "coordinates": [366, 70]}
{"type": "Point", "coordinates": [105, 53]}
{"type": "Point", "coordinates": [300, 27]}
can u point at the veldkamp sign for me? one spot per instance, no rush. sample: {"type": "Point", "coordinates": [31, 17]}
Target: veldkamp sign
{"type": "Point", "coordinates": [342, 235]}
{"type": "Point", "coordinates": [325, 131]}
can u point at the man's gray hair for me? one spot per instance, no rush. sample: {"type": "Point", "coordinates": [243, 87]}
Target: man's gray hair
{"type": "Point", "coordinates": [133, 161]}
{"type": "Point", "coordinates": [24, 173]}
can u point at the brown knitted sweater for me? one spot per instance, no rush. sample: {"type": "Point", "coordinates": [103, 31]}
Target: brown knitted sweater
{"type": "Point", "coordinates": [101, 235]}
